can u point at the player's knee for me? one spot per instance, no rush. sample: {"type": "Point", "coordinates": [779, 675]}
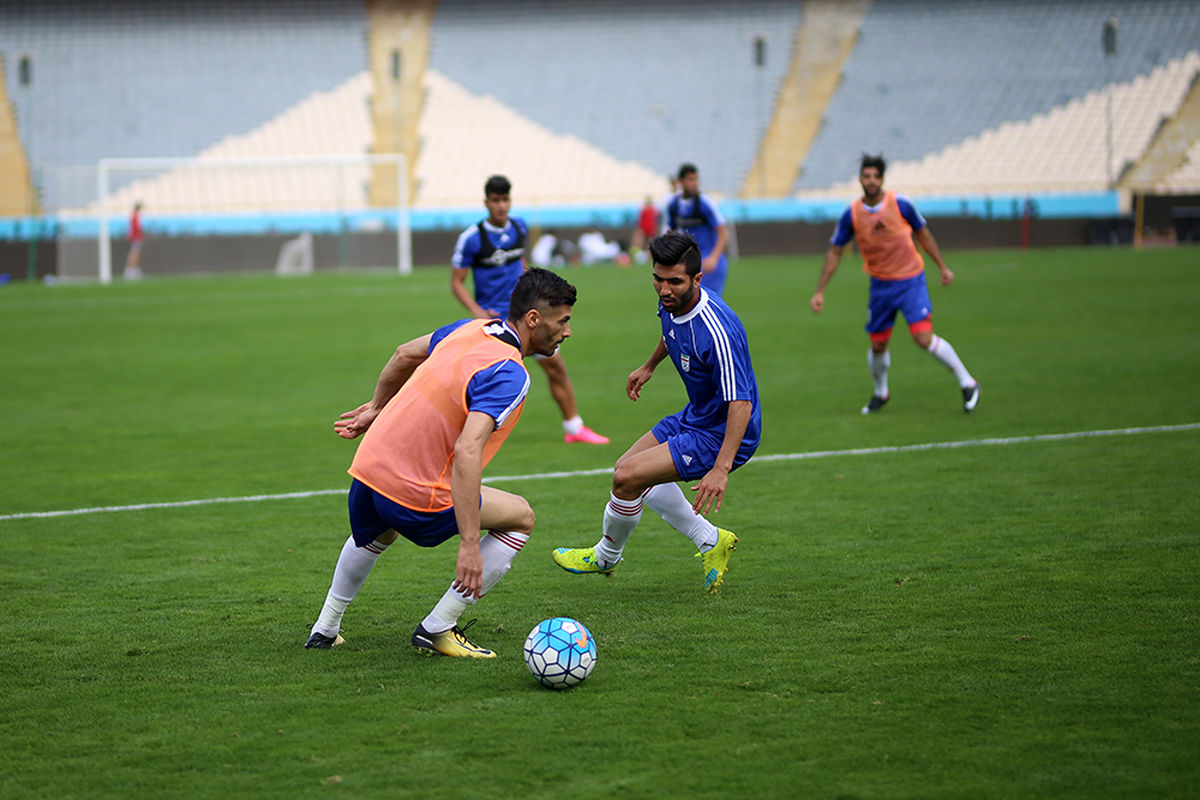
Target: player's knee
{"type": "Point", "coordinates": [626, 485]}
{"type": "Point", "coordinates": [525, 518]}
{"type": "Point", "coordinates": [922, 332]}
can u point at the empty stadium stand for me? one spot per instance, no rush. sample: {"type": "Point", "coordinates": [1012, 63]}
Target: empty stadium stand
{"type": "Point", "coordinates": [925, 76]}
{"type": "Point", "coordinates": [659, 82]}
{"type": "Point", "coordinates": [167, 79]}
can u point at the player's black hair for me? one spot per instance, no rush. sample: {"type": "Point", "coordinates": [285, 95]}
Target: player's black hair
{"type": "Point", "coordinates": [539, 287]}
{"type": "Point", "coordinates": [676, 247]}
{"type": "Point", "coordinates": [877, 162]}
{"type": "Point", "coordinates": [497, 184]}
{"type": "Point", "coordinates": [687, 169]}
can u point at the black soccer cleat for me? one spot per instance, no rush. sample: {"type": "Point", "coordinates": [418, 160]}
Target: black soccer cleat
{"type": "Point", "coordinates": [970, 398]}
{"type": "Point", "coordinates": [875, 403]}
{"type": "Point", "coordinates": [319, 641]}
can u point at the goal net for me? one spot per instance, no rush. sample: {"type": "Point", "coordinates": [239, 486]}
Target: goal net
{"type": "Point", "coordinates": [357, 203]}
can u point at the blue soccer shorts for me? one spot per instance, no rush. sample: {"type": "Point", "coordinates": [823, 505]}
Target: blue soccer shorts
{"type": "Point", "coordinates": [694, 450]}
{"type": "Point", "coordinates": [372, 514]}
{"type": "Point", "coordinates": [909, 296]}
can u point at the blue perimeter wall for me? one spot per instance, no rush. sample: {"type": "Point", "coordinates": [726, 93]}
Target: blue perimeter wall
{"type": "Point", "coordinates": [1098, 205]}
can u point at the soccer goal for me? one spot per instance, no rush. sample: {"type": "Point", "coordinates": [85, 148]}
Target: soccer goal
{"type": "Point", "coordinates": [285, 195]}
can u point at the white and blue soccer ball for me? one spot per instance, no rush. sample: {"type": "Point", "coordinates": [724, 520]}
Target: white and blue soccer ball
{"type": "Point", "coordinates": [560, 652]}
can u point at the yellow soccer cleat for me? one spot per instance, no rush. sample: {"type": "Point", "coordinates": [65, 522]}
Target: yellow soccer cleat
{"type": "Point", "coordinates": [581, 561]}
{"type": "Point", "coordinates": [716, 561]}
{"type": "Point", "coordinates": [453, 642]}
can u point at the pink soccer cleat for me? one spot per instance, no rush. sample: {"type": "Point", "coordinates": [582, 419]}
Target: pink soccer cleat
{"type": "Point", "coordinates": [586, 435]}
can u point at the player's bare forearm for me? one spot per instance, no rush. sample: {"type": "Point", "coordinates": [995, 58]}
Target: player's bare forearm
{"type": "Point", "coordinates": [458, 288]}
{"type": "Point", "coordinates": [712, 259]}
{"type": "Point", "coordinates": [833, 257]}
{"type": "Point", "coordinates": [395, 374]}
{"type": "Point", "coordinates": [400, 368]}
{"type": "Point", "coordinates": [925, 238]}
{"type": "Point", "coordinates": [466, 478]}
{"type": "Point", "coordinates": [640, 376]}
{"type": "Point", "coordinates": [711, 489]}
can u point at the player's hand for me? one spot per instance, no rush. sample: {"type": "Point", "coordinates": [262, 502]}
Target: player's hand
{"type": "Point", "coordinates": [637, 379]}
{"type": "Point", "coordinates": [469, 577]}
{"type": "Point", "coordinates": [947, 277]}
{"type": "Point", "coordinates": [710, 491]}
{"type": "Point", "coordinates": [709, 264]}
{"type": "Point", "coordinates": [817, 302]}
{"type": "Point", "coordinates": [353, 424]}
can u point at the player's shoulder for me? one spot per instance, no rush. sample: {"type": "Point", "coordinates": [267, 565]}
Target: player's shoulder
{"type": "Point", "coordinates": [468, 234]}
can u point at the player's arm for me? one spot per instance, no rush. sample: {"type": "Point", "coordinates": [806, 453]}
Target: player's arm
{"type": "Point", "coordinates": [710, 262]}
{"type": "Point", "coordinates": [458, 287]}
{"type": "Point", "coordinates": [925, 239]}
{"type": "Point", "coordinates": [396, 372]}
{"type": "Point", "coordinates": [466, 478]}
{"type": "Point", "coordinates": [833, 257]}
{"type": "Point", "coordinates": [711, 489]}
{"type": "Point", "coordinates": [638, 378]}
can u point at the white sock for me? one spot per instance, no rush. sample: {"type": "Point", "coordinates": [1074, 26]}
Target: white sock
{"type": "Point", "coordinates": [620, 518]}
{"type": "Point", "coordinates": [573, 425]}
{"type": "Point", "coordinates": [879, 363]}
{"type": "Point", "coordinates": [498, 549]}
{"type": "Point", "coordinates": [943, 351]}
{"type": "Point", "coordinates": [669, 502]}
{"type": "Point", "coordinates": [353, 566]}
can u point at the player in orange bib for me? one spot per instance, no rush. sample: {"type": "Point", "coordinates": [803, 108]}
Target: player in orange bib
{"type": "Point", "coordinates": [885, 224]}
{"type": "Point", "coordinates": [442, 407]}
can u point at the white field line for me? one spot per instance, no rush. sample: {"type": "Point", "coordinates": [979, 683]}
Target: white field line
{"type": "Point", "coordinates": [860, 451]}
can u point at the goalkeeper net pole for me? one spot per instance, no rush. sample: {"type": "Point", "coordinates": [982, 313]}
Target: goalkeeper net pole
{"type": "Point", "coordinates": [256, 193]}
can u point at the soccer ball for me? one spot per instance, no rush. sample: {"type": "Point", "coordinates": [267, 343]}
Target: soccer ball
{"type": "Point", "coordinates": [560, 652]}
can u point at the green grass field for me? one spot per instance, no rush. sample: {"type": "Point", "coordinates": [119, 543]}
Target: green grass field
{"type": "Point", "coordinates": [1009, 619]}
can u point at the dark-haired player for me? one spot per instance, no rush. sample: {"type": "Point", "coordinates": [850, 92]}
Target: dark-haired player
{"type": "Point", "coordinates": [885, 225]}
{"type": "Point", "coordinates": [442, 407]}
{"type": "Point", "coordinates": [493, 252]}
{"type": "Point", "coordinates": [715, 433]}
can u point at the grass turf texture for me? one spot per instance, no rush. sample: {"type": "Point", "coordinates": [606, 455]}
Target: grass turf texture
{"type": "Point", "coordinates": [993, 621]}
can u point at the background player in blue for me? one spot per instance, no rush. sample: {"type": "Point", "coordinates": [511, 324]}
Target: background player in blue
{"type": "Point", "coordinates": [715, 433]}
{"type": "Point", "coordinates": [493, 252]}
{"type": "Point", "coordinates": [696, 213]}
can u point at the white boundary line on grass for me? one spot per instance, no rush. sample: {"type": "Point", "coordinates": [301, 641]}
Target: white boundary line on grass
{"type": "Point", "coordinates": [860, 451]}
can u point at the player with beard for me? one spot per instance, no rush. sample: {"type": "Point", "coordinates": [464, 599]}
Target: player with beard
{"type": "Point", "coordinates": [715, 433]}
{"type": "Point", "coordinates": [885, 225]}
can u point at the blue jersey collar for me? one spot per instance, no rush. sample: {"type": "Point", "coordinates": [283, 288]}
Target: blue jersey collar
{"type": "Point", "coordinates": [701, 304]}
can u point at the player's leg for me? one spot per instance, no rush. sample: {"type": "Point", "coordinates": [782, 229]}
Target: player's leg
{"type": "Point", "coordinates": [372, 534]}
{"type": "Point", "coordinates": [623, 510]}
{"type": "Point", "coordinates": [881, 317]}
{"type": "Point", "coordinates": [917, 306]}
{"type": "Point", "coordinates": [563, 392]}
{"type": "Point", "coordinates": [508, 520]}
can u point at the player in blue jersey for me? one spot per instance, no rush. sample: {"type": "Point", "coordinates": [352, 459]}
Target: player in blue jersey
{"type": "Point", "coordinates": [696, 213]}
{"type": "Point", "coordinates": [493, 251]}
{"type": "Point", "coordinates": [715, 433]}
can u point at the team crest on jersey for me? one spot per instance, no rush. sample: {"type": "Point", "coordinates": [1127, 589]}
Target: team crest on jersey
{"type": "Point", "coordinates": [685, 362]}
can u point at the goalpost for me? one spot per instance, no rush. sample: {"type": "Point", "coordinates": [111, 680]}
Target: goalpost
{"type": "Point", "coordinates": [248, 195]}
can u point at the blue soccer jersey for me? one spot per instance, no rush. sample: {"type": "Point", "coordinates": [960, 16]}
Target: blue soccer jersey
{"type": "Point", "coordinates": [710, 351]}
{"type": "Point", "coordinates": [494, 255]}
